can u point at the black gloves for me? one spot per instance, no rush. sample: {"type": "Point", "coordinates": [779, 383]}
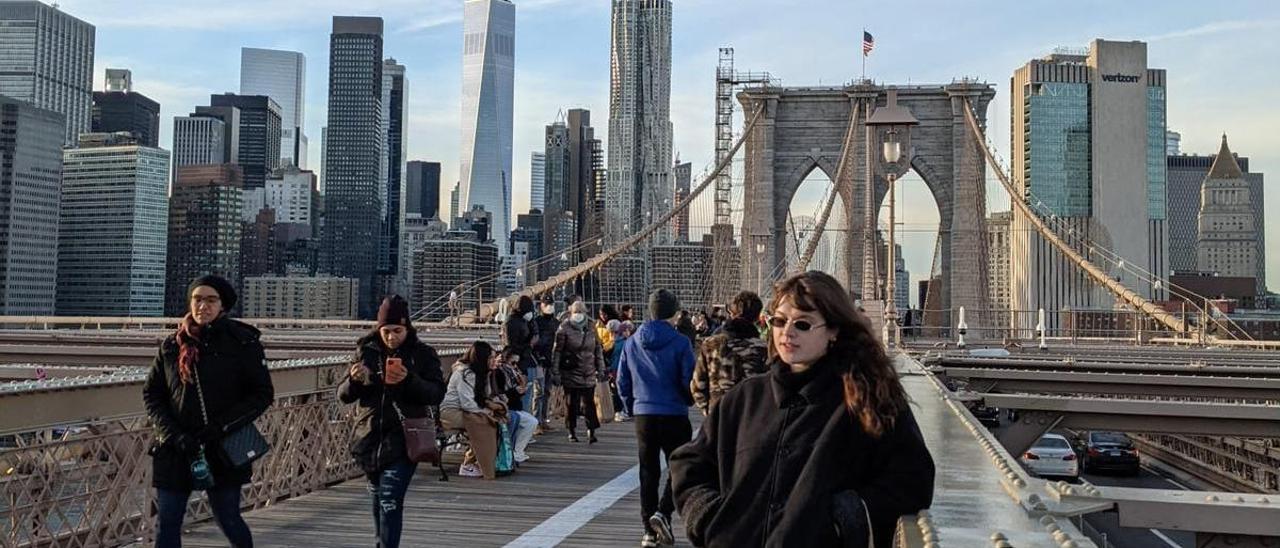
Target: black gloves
{"type": "Point", "coordinates": [853, 525]}
{"type": "Point", "coordinates": [183, 443]}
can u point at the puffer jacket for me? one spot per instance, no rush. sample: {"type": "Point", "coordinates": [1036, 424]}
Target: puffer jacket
{"type": "Point", "coordinates": [379, 437]}
{"type": "Point", "coordinates": [237, 389]}
{"type": "Point", "coordinates": [578, 355]}
{"type": "Point", "coordinates": [518, 335]}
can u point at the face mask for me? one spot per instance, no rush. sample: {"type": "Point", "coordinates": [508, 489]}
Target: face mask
{"type": "Point", "coordinates": [578, 317]}
{"type": "Point", "coordinates": [528, 316]}
{"type": "Point", "coordinates": [548, 309]}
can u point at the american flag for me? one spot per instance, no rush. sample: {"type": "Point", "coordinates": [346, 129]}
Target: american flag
{"type": "Point", "coordinates": [868, 43]}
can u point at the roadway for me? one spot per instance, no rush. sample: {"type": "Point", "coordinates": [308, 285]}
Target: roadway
{"type": "Point", "coordinates": [1106, 523]}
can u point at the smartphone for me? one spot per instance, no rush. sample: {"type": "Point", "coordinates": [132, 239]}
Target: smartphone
{"type": "Point", "coordinates": [394, 361]}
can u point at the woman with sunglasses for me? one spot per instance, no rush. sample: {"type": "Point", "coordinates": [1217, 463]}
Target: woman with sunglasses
{"type": "Point", "coordinates": [821, 451]}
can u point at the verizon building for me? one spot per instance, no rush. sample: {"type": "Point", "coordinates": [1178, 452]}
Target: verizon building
{"type": "Point", "coordinates": [1088, 141]}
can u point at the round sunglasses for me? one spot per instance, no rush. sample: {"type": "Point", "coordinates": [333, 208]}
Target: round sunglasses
{"type": "Point", "coordinates": [778, 322]}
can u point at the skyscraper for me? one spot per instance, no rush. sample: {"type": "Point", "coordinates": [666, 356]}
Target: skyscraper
{"type": "Point", "coordinates": [586, 171]}
{"type": "Point", "coordinates": [488, 78]}
{"type": "Point", "coordinates": [422, 189]}
{"type": "Point", "coordinates": [126, 110]}
{"type": "Point", "coordinates": [281, 75]}
{"type": "Point", "coordinates": [119, 80]}
{"type": "Point", "coordinates": [394, 92]}
{"type": "Point", "coordinates": [1088, 145]}
{"type": "Point", "coordinates": [47, 57]}
{"type": "Point", "coordinates": [684, 178]}
{"type": "Point", "coordinates": [1227, 243]}
{"type": "Point", "coordinates": [1187, 173]}
{"type": "Point", "coordinates": [998, 264]}
{"type": "Point", "coordinates": [198, 140]}
{"type": "Point", "coordinates": [114, 197]}
{"type": "Point", "coordinates": [559, 223]}
{"type": "Point", "coordinates": [204, 229]}
{"type": "Point", "coordinates": [259, 129]}
{"type": "Point", "coordinates": [31, 151]}
{"type": "Point", "coordinates": [537, 180]}
{"type": "Point", "coordinates": [639, 186]}
{"type": "Point", "coordinates": [354, 154]}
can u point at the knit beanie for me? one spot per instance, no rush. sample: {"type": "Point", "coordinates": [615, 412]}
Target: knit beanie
{"type": "Point", "coordinates": [226, 291]}
{"type": "Point", "coordinates": [663, 305]}
{"type": "Point", "coordinates": [394, 311]}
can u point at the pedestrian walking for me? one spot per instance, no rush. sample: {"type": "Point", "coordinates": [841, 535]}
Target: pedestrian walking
{"type": "Point", "coordinates": [580, 364]}
{"type": "Point", "coordinates": [654, 372]}
{"type": "Point", "coordinates": [394, 376]}
{"type": "Point", "coordinates": [208, 381]}
{"type": "Point", "coordinates": [821, 451]}
{"type": "Point", "coordinates": [729, 357]}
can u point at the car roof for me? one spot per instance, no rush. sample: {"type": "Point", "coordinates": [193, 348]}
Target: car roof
{"type": "Point", "coordinates": [1054, 437]}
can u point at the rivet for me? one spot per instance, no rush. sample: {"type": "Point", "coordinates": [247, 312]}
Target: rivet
{"type": "Point", "coordinates": [1211, 498]}
{"type": "Point", "coordinates": [998, 536]}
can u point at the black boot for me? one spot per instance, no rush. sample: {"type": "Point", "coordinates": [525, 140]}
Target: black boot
{"type": "Point", "coordinates": [573, 436]}
{"type": "Point", "coordinates": [591, 436]}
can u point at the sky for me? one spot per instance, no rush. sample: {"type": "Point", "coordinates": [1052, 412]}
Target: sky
{"type": "Point", "coordinates": [1220, 62]}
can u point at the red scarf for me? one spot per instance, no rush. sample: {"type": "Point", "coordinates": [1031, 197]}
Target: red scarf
{"type": "Point", "coordinates": [188, 347]}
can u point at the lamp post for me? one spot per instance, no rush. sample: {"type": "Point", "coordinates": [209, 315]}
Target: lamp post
{"type": "Point", "coordinates": [897, 120]}
{"type": "Point", "coordinates": [760, 265]}
{"type": "Point", "coordinates": [892, 153]}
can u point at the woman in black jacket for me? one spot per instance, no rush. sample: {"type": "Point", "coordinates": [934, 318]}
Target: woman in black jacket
{"type": "Point", "coordinates": [518, 337]}
{"type": "Point", "coordinates": [220, 361]}
{"type": "Point", "coordinates": [821, 451]}
{"type": "Point", "coordinates": [394, 374]}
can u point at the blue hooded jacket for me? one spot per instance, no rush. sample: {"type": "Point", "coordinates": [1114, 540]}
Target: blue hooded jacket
{"type": "Point", "coordinates": [654, 371]}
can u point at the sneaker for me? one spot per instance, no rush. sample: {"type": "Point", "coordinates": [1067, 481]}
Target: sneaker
{"type": "Point", "coordinates": [521, 458]}
{"type": "Point", "coordinates": [661, 526]}
{"type": "Point", "coordinates": [626, 417]}
{"type": "Point", "coordinates": [470, 471]}
{"type": "Point", "coordinates": [648, 541]}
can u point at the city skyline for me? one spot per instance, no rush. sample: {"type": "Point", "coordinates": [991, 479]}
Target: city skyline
{"type": "Point", "coordinates": [798, 48]}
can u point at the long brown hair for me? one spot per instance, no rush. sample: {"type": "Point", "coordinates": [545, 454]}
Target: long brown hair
{"type": "Point", "coordinates": [872, 392]}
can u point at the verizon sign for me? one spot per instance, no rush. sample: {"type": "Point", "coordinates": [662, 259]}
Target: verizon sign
{"type": "Point", "coordinates": [1122, 78]}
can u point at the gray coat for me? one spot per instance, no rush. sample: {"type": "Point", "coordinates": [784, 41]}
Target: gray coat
{"type": "Point", "coordinates": [578, 355]}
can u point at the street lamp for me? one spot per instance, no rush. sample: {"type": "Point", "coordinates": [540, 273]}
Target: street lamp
{"type": "Point", "coordinates": [897, 120]}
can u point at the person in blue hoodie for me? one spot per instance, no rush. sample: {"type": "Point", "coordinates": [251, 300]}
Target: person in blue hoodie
{"type": "Point", "coordinates": [654, 371]}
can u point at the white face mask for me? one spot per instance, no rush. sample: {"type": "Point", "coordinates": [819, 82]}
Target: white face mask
{"type": "Point", "coordinates": [578, 317]}
{"type": "Point", "coordinates": [528, 316]}
{"type": "Point", "coordinates": [548, 309]}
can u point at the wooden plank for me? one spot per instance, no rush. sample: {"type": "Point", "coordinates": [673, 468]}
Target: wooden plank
{"type": "Point", "coordinates": [467, 511]}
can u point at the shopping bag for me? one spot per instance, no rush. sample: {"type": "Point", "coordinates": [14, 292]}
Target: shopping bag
{"type": "Point", "coordinates": [506, 461]}
{"type": "Point", "coordinates": [604, 402]}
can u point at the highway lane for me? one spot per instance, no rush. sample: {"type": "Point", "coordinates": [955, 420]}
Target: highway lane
{"type": "Point", "coordinates": [1107, 523]}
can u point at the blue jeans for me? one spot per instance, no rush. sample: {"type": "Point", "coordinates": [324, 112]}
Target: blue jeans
{"type": "Point", "coordinates": [535, 398]}
{"type": "Point", "coordinates": [387, 489]}
{"type": "Point", "coordinates": [171, 508]}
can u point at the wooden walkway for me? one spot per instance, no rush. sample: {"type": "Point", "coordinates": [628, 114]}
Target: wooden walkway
{"type": "Point", "coordinates": [467, 511]}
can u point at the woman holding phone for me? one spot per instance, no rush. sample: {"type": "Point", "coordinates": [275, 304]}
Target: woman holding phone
{"type": "Point", "coordinates": [394, 375]}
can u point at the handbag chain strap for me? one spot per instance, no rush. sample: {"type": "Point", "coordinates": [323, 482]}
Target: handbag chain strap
{"type": "Point", "coordinates": [204, 413]}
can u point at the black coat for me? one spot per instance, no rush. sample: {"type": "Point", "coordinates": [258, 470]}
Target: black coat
{"type": "Point", "coordinates": [379, 437]}
{"type": "Point", "coordinates": [517, 336]}
{"type": "Point", "coordinates": [546, 325]}
{"type": "Point", "coordinates": [237, 389]}
{"type": "Point", "coordinates": [772, 454]}
{"type": "Point", "coordinates": [578, 355]}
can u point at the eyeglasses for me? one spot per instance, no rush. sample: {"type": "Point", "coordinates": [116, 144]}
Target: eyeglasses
{"type": "Point", "coordinates": [778, 322]}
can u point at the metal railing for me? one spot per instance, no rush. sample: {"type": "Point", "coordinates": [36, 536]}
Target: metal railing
{"type": "Point", "coordinates": [90, 485]}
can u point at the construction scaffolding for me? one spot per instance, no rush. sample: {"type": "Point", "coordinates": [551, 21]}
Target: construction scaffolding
{"type": "Point", "coordinates": [726, 258]}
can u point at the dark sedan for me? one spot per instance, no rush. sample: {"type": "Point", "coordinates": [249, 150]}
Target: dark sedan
{"type": "Point", "coordinates": [1110, 451]}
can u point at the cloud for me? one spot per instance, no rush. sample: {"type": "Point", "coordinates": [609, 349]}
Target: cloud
{"type": "Point", "coordinates": [1216, 28]}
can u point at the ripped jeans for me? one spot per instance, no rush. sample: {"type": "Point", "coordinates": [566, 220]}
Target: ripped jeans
{"type": "Point", "coordinates": [387, 489]}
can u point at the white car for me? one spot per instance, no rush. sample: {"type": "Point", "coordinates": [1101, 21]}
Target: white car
{"type": "Point", "coordinates": [1052, 456]}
